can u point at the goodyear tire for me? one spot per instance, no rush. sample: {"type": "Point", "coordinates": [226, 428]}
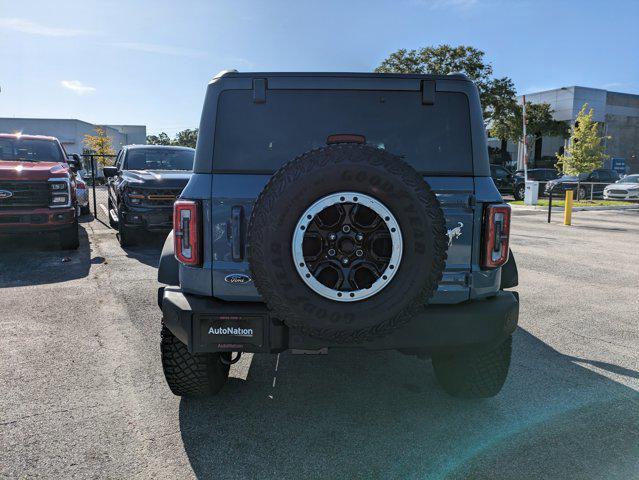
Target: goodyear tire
{"type": "Point", "coordinates": [372, 183]}
{"type": "Point", "coordinates": [474, 375]}
{"type": "Point", "coordinates": [191, 375]}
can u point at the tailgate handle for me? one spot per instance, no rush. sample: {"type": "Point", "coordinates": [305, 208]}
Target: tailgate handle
{"type": "Point", "coordinates": [237, 212]}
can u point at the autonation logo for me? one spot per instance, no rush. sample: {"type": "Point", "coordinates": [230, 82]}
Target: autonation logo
{"type": "Point", "coordinates": [238, 332]}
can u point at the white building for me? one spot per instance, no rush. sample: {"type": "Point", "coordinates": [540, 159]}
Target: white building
{"type": "Point", "coordinates": [617, 112]}
{"type": "Point", "coordinates": [71, 132]}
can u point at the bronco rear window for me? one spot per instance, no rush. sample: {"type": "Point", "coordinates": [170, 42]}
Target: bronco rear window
{"type": "Point", "coordinates": [260, 137]}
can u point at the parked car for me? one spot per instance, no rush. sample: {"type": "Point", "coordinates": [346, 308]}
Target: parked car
{"type": "Point", "coordinates": [601, 177]}
{"type": "Point", "coordinates": [541, 175]}
{"type": "Point", "coordinates": [37, 188]}
{"type": "Point", "coordinates": [142, 187]}
{"type": "Point", "coordinates": [310, 225]}
{"type": "Point", "coordinates": [626, 188]}
{"type": "Point", "coordinates": [503, 179]}
{"type": "Point", "coordinates": [82, 195]}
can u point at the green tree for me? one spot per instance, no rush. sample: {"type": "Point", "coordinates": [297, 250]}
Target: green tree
{"type": "Point", "coordinates": [161, 139]}
{"type": "Point", "coordinates": [497, 94]}
{"type": "Point", "coordinates": [585, 151]}
{"type": "Point", "coordinates": [186, 138]}
{"type": "Point", "coordinates": [100, 145]}
{"type": "Point", "coordinates": [539, 123]}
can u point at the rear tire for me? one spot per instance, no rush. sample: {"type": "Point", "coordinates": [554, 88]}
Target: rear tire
{"type": "Point", "coordinates": [519, 192]}
{"type": "Point", "coordinates": [475, 375]}
{"type": "Point", "coordinates": [70, 237]}
{"type": "Point", "coordinates": [191, 375]}
{"type": "Point", "coordinates": [581, 194]}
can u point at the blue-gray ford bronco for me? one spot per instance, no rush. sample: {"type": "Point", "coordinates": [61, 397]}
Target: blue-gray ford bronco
{"type": "Point", "coordinates": [339, 210]}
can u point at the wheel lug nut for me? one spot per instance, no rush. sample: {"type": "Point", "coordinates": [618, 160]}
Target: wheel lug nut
{"type": "Point", "coordinates": [345, 261]}
{"type": "Point", "coordinates": [332, 236]}
{"type": "Point", "coordinates": [359, 253]}
{"type": "Point", "coordinates": [359, 237]}
{"type": "Point", "coordinates": [346, 228]}
{"type": "Point", "coordinates": [331, 252]}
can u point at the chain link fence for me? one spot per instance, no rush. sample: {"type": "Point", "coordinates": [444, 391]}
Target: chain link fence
{"type": "Point", "coordinates": [93, 175]}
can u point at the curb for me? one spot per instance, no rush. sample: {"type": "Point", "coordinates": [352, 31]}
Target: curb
{"type": "Point", "coordinates": [575, 209]}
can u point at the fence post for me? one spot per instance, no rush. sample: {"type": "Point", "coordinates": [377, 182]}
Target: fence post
{"type": "Point", "coordinates": [549, 205]}
{"type": "Point", "coordinates": [95, 203]}
{"type": "Point", "coordinates": [592, 188]}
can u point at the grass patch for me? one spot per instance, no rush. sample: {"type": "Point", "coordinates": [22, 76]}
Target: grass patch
{"type": "Point", "coordinates": [543, 202]}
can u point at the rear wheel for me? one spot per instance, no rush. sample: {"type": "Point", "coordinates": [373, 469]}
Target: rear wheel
{"type": "Point", "coordinates": [474, 375]}
{"type": "Point", "coordinates": [581, 193]}
{"type": "Point", "coordinates": [70, 237]}
{"type": "Point", "coordinates": [519, 192]}
{"type": "Point", "coordinates": [191, 375]}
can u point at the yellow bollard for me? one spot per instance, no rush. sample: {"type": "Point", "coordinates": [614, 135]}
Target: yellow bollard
{"type": "Point", "coordinates": [568, 208]}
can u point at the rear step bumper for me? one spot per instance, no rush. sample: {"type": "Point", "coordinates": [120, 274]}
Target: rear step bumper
{"type": "Point", "coordinates": [206, 324]}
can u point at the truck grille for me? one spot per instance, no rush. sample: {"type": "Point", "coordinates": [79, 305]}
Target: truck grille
{"type": "Point", "coordinates": [157, 197]}
{"type": "Point", "coordinates": [25, 194]}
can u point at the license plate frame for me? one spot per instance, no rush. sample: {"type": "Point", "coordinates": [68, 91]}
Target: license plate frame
{"type": "Point", "coordinates": [230, 329]}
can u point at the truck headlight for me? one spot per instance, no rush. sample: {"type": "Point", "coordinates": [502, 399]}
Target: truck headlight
{"type": "Point", "coordinates": [59, 189]}
{"type": "Point", "coordinates": [135, 196]}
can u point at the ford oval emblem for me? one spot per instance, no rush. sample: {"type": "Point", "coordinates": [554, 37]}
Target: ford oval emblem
{"type": "Point", "coordinates": [5, 194]}
{"type": "Point", "coordinates": [237, 278]}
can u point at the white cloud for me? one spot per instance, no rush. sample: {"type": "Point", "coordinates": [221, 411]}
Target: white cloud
{"type": "Point", "coordinates": [159, 49]}
{"type": "Point", "coordinates": [76, 86]}
{"type": "Point", "coordinates": [32, 28]}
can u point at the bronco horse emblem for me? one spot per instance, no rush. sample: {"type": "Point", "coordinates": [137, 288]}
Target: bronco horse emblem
{"type": "Point", "coordinates": [454, 233]}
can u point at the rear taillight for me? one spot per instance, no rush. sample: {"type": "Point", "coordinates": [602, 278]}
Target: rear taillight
{"type": "Point", "coordinates": [496, 233]}
{"type": "Point", "coordinates": [187, 236]}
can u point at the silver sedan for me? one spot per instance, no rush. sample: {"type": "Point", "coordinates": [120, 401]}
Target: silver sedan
{"type": "Point", "coordinates": [626, 188]}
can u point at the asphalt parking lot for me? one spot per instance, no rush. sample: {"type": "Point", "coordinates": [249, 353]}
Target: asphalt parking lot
{"type": "Point", "coordinates": [83, 393]}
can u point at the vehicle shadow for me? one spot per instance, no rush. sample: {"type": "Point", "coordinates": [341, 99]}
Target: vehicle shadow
{"type": "Point", "coordinates": [37, 259]}
{"type": "Point", "coordinates": [381, 415]}
{"type": "Point", "coordinates": [148, 248]}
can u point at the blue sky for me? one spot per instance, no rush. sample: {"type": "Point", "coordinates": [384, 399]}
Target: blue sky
{"type": "Point", "coordinates": [148, 62]}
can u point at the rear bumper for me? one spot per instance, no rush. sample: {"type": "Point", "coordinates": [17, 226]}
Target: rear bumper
{"type": "Point", "coordinates": [205, 324]}
{"type": "Point", "coordinates": [148, 218]}
{"type": "Point", "coordinates": [35, 220]}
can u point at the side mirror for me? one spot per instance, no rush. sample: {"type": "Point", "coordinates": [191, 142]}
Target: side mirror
{"type": "Point", "coordinates": [74, 162]}
{"type": "Point", "coordinates": [110, 171]}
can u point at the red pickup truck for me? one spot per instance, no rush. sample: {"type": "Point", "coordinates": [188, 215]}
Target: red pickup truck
{"type": "Point", "coordinates": [37, 188]}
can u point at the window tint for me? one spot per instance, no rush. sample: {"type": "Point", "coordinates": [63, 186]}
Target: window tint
{"type": "Point", "coordinates": [30, 150]}
{"type": "Point", "coordinates": [159, 159]}
{"type": "Point", "coordinates": [262, 137]}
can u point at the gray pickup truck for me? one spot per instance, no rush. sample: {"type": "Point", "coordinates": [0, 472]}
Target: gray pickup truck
{"type": "Point", "coordinates": [339, 210]}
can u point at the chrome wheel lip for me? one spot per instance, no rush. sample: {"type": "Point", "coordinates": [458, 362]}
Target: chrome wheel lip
{"type": "Point", "coordinates": [347, 197]}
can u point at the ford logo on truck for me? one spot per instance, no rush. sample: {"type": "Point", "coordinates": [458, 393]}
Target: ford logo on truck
{"type": "Point", "coordinates": [237, 278]}
{"type": "Point", "coordinates": [5, 194]}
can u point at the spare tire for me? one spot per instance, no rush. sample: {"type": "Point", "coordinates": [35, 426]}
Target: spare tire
{"type": "Point", "coordinates": [346, 242]}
